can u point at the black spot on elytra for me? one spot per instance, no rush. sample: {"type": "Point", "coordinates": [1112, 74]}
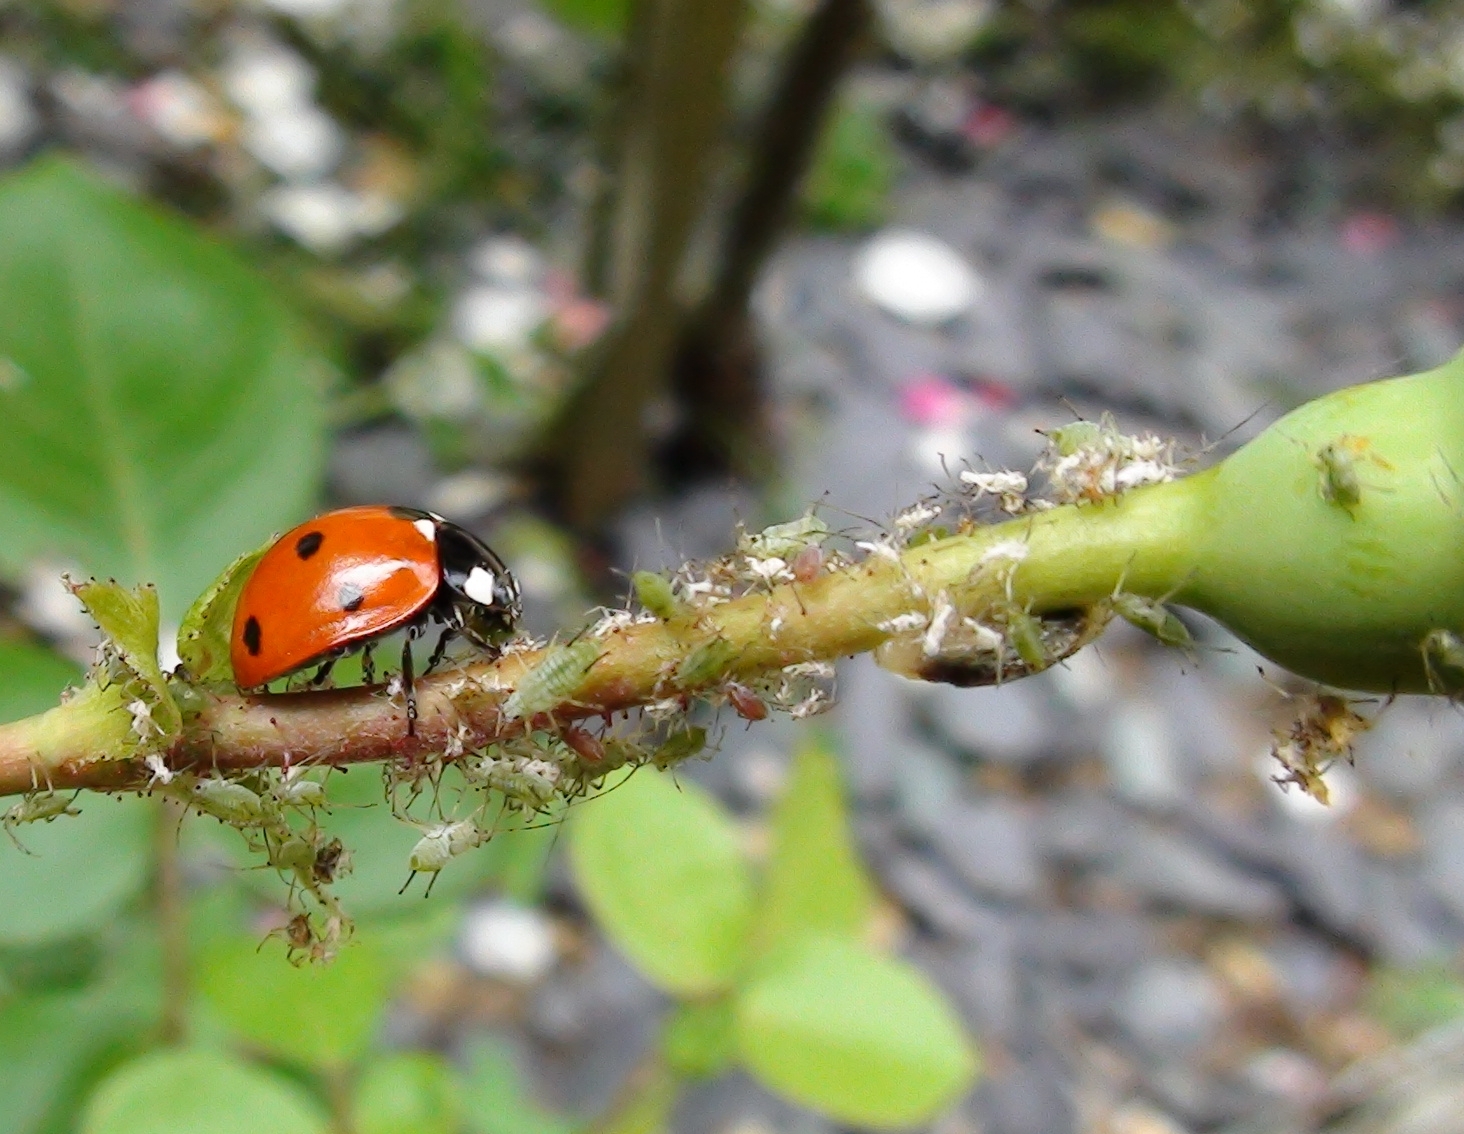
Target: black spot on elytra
{"type": "Point", "coordinates": [351, 596]}
{"type": "Point", "coordinates": [251, 636]}
{"type": "Point", "coordinates": [308, 544]}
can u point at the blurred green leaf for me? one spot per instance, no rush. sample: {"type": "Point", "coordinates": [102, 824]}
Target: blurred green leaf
{"type": "Point", "coordinates": [853, 171]}
{"type": "Point", "coordinates": [408, 1093]}
{"type": "Point", "coordinates": [322, 1016]}
{"type": "Point", "coordinates": [198, 1091]}
{"type": "Point", "coordinates": [661, 868]}
{"type": "Point", "coordinates": [80, 869]}
{"type": "Point", "coordinates": [52, 1043]}
{"type": "Point", "coordinates": [497, 1102]}
{"type": "Point", "coordinates": [605, 18]}
{"type": "Point", "coordinates": [815, 882]}
{"type": "Point", "coordinates": [1411, 1001]}
{"type": "Point", "coordinates": [864, 1038]}
{"type": "Point", "coordinates": [157, 413]}
{"type": "Point", "coordinates": [31, 678]}
{"type": "Point", "coordinates": [653, 1089]}
{"type": "Point", "coordinates": [699, 1040]}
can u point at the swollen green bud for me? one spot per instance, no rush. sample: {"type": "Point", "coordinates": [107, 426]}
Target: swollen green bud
{"type": "Point", "coordinates": [1334, 542]}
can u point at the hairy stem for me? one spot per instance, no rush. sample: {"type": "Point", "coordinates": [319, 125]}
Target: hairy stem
{"type": "Point", "coordinates": [1075, 556]}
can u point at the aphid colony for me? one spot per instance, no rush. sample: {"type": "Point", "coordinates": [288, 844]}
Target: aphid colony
{"type": "Point", "coordinates": [339, 583]}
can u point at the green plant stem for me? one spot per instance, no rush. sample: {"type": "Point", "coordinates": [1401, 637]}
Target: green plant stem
{"type": "Point", "coordinates": [1076, 556]}
{"type": "Point", "coordinates": [172, 922]}
{"type": "Point", "coordinates": [337, 1082]}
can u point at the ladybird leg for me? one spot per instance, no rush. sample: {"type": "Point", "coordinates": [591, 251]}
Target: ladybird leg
{"type": "Point", "coordinates": [368, 663]}
{"type": "Point", "coordinates": [407, 684]}
{"type": "Point", "coordinates": [448, 634]}
{"type": "Point", "coordinates": [323, 673]}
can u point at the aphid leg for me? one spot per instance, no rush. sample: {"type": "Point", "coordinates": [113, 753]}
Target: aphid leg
{"type": "Point", "coordinates": [448, 634]}
{"type": "Point", "coordinates": [322, 675]}
{"type": "Point", "coordinates": [368, 663]}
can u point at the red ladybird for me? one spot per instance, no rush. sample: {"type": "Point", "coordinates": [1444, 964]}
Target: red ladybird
{"type": "Point", "coordinates": [341, 581]}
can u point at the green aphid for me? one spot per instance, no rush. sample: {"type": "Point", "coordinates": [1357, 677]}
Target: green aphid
{"type": "Point", "coordinates": [300, 793]}
{"type": "Point", "coordinates": [655, 594]}
{"type": "Point", "coordinates": [1338, 483]}
{"type": "Point", "coordinates": [1024, 632]}
{"type": "Point", "coordinates": [783, 541]}
{"type": "Point", "coordinates": [1153, 618]}
{"type": "Point", "coordinates": [39, 809]}
{"type": "Point", "coordinates": [549, 683]}
{"type": "Point", "coordinates": [679, 746]}
{"type": "Point", "coordinates": [295, 854]}
{"type": "Point", "coordinates": [1069, 439]}
{"type": "Point", "coordinates": [705, 663]}
{"type": "Point", "coordinates": [230, 802]}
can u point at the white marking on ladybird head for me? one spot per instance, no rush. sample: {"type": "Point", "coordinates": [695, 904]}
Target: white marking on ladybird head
{"type": "Point", "coordinates": [479, 586]}
{"type": "Point", "coordinates": [428, 528]}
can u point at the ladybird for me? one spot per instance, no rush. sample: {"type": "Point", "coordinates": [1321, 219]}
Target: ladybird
{"type": "Point", "coordinates": [340, 582]}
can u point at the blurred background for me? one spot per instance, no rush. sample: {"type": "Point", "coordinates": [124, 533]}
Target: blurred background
{"type": "Point", "coordinates": [601, 279]}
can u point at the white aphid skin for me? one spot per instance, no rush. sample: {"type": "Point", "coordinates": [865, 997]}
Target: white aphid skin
{"type": "Point", "coordinates": [916, 516]}
{"type": "Point", "coordinates": [1009, 488]}
{"type": "Point", "coordinates": [1011, 551]}
{"type": "Point", "coordinates": [143, 725]}
{"type": "Point", "coordinates": [161, 773]}
{"type": "Point", "coordinates": [1138, 473]}
{"type": "Point", "coordinates": [940, 621]}
{"type": "Point", "coordinates": [1088, 461]}
{"type": "Point", "coordinates": [881, 548]}
{"type": "Point", "coordinates": [771, 570]}
{"type": "Point", "coordinates": [903, 623]}
{"type": "Point", "coordinates": [987, 638]}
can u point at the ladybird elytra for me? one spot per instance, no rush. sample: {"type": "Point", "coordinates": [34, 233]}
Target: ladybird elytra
{"type": "Point", "coordinates": [340, 582]}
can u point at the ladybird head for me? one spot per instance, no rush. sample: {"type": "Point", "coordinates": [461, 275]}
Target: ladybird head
{"type": "Point", "coordinates": [479, 587]}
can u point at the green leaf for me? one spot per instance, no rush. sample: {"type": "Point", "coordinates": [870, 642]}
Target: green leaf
{"type": "Point", "coordinates": [80, 869]}
{"type": "Point", "coordinates": [52, 1043]}
{"type": "Point", "coordinates": [661, 868]}
{"type": "Point", "coordinates": [408, 1093]}
{"type": "Point", "coordinates": [31, 678]}
{"type": "Point", "coordinates": [497, 1102]}
{"type": "Point", "coordinates": [604, 18]}
{"type": "Point", "coordinates": [864, 1038]}
{"type": "Point", "coordinates": [1411, 1001]}
{"type": "Point", "coordinates": [815, 882]}
{"type": "Point", "coordinates": [203, 636]}
{"type": "Point", "coordinates": [853, 171]}
{"type": "Point", "coordinates": [198, 1091]}
{"type": "Point", "coordinates": [699, 1041]}
{"type": "Point", "coordinates": [320, 1015]}
{"type": "Point", "coordinates": [129, 618]}
{"type": "Point", "coordinates": [157, 414]}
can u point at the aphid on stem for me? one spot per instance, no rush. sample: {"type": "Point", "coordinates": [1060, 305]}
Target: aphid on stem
{"type": "Point", "coordinates": [549, 683]}
{"type": "Point", "coordinates": [36, 808]}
